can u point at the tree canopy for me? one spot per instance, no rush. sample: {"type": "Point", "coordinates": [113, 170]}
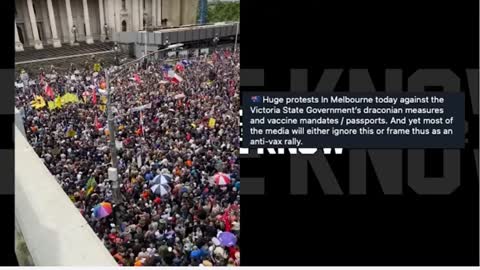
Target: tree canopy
{"type": "Point", "coordinates": [219, 11]}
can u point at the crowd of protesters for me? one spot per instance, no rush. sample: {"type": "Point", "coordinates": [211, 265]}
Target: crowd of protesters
{"type": "Point", "coordinates": [184, 124]}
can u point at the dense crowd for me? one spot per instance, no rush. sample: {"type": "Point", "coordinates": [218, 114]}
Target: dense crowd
{"type": "Point", "coordinates": [173, 135]}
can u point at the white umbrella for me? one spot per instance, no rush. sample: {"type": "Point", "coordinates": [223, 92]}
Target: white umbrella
{"type": "Point", "coordinates": [162, 179]}
{"type": "Point", "coordinates": [160, 189]}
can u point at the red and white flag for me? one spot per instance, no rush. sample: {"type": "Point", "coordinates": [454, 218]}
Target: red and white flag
{"type": "Point", "coordinates": [49, 91]}
{"type": "Point", "coordinates": [176, 78]}
{"type": "Point", "coordinates": [97, 124]}
{"type": "Point", "coordinates": [94, 97]}
{"type": "Point", "coordinates": [179, 67]}
{"type": "Point", "coordinates": [137, 78]}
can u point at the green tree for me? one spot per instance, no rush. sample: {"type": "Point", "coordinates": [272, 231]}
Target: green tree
{"type": "Point", "coordinates": [223, 11]}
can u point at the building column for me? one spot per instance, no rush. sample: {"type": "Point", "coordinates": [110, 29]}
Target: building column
{"type": "Point", "coordinates": [18, 44]}
{"type": "Point", "coordinates": [33, 21]}
{"type": "Point", "coordinates": [110, 6]}
{"type": "Point", "coordinates": [135, 14]}
{"type": "Point", "coordinates": [88, 34]}
{"type": "Point", "coordinates": [140, 7]}
{"type": "Point", "coordinates": [159, 12]}
{"type": "Point", "coordinates": [70, 22]}
{"type": "Point", "coordinates": [154, 12]}
{"type": "Point", "coordinates": [53, 25]}
{"type": "Point", "coordinates": [102, 20]}
{"type": "Point", "coordinates": [118, 15]}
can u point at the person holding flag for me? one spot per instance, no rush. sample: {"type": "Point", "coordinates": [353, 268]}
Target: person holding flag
{"type": "Point", "coordinates": [91, 185]}
{"type": "Point", "coordinates": [97, 124]}
{"type": "Point", "coordinates": [94, 96]}
{"type": "Point", "coordinates": [49, 91]}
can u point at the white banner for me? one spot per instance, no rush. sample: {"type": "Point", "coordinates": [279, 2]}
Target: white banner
{"type": "Point", "coordinates": [140, 108]}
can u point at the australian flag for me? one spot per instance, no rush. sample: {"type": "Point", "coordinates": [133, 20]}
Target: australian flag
{"type": "Point", "coordinates": [256, 99]}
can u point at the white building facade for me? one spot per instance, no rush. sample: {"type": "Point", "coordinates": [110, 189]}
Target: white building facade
{"type": "Point", "coordinates": [60, 22]}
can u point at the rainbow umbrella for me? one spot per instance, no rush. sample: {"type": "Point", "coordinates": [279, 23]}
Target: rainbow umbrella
{"type": "Point", "coordinates": [102, 210]}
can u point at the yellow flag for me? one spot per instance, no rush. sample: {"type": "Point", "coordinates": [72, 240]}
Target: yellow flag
{"type": "Point", "coordinates": [102, 108]}
{"type": "Point", "coordinates": [71, 133]}
{"type": "Point", "coordinates": [51, 105]}
{"type": "Point", "coordinates": [38, 102]}
{"type": "Point", "coordinates": [211, 123]}
{"type": "Point", "coordinates": [90, 190]}
{"type": "Point", "coordinates": [103, 100]}
{"type": "Point", "coordinates": [58, 102]}
{"type": "Point", "coordinates": [67, 98]}
{"type": "Point", "coordinates": [97, 67]}
{"type": "Point", "coordinates": [64, 99]}
{"type": "Point", "coordinates": [74, 98]}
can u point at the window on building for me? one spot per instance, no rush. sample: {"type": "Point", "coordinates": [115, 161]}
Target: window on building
{"type": "Point", "coordinates": [34, 9]}
{"type": "Point", "coordinates": [124, 5]}
{"type": "Point", "coordinates": [20, 35]}
{"type": "Point", "coordinates": [124, 26]}
{"type": "Point", "coordinates": [144, 23]}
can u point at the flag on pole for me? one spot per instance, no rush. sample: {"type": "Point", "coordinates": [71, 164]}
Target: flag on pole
{"type": "Point", "coordinates": [179, 67]}
{"type": "Point", "coordinates": [38, 102]}
{"type": "Point", "coordinates": [71, 133]}
{"type": "Point", "coordinates": [58, 102]}
{"type": "Point", "coordinates": [49, 91]}
{"type": "Point", "coordinates": [94, 97]}
{"type": "Point", "coordinates": [137, 78]}
{"type": "Point", "coordinates": [174, 77]}
{"type": "Point", "coordinates": [177, 78]}
{"type": "Point", "coordinates": [211, 122]}
{"type": "Point", "coordinates": [90, 186]}
{"type": "Point", "coordinates": [51, 105]}
{"type": "Point", "coordinates": [98, 126]}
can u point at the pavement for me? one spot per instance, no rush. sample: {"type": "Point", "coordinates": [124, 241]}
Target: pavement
{"type": "Point", "coordinates": [61, 58]}
{"type": "Point", "coordinates": [49, 51]}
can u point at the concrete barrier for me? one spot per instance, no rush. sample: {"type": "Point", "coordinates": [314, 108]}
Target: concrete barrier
{"type": "Point", "coordinates": [54, 231]}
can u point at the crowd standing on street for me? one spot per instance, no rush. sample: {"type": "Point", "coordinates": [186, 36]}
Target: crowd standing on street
{"type": "Point", "coordinates": [178, 121]}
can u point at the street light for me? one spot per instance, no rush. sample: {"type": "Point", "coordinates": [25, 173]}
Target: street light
{"type": "Point", "coordinates": [74, 30]}
{"type": "Point", "coordinates": [215, 42]}
{"type": "Point", "coordinates": [113, 171]}
{"type": "Point", "coordinates": [236, 37]}
{"type": "Point", "coordinates": [105, 27]}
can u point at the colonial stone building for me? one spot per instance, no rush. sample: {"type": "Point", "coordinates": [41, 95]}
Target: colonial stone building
{"type": "Point", "coordinates": [59, 22]}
